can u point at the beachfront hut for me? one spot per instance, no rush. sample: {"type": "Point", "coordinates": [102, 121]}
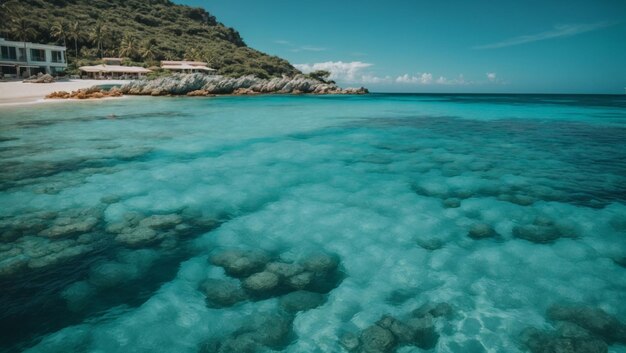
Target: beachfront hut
{"type": "Point", "coordinates": [112, 69]}
{"type": "Point", "coordinates": [188, 67]}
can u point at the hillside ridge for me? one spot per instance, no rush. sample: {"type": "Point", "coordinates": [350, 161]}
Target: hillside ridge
{"type": "Point", "coordinates": [144, 31]}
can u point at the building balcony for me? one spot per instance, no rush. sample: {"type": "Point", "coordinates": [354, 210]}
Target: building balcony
{"type": "Point", "coordinates": [16, 61]}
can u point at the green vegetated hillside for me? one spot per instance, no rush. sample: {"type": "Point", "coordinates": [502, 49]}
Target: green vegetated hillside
{"type": "Point", "coordinates": [144, 31]}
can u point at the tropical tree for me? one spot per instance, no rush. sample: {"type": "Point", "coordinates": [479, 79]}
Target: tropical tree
{"type": "Point", "coordinates": [98, 35]}
{"type": "Point", "coordinates": [110, 52]}
{"type": "Point", "coordinates": [59, 30]}
{"type": "Point", "coordinates": [192, 54]}
{"type": "Point", "coordinates": [148, 50]}
{"type": "Point", "coordinates": [209, 57]}
{"type": "Point", "coordinates": [75, 33]}
{"type": "Point", "coordinates": [8, 11]}
{"type": "Point", "coordinates": [23, 30]}
{"type": "Point", "coordinates": [169, 55]}
{"type": "Point", "coordinates": [320, 75]}
{"type": "Point", "coordinates": [128, 46]}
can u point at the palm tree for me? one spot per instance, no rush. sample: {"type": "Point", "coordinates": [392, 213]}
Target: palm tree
{"type": "Point", "coordinates": [170, 56]}
{"type": "Point", "coordinates": [147, 51]}
{"type": "Point", "coordinates": [192, 54]}
{"type": "Point", "coordinates": [75, 33]}
{"type": "Point", "coordinates": [97, 35]}
{"type": "Point", "coordinates": [8, 11]}
{"type": "Point", "coordinates": [208, 56]}
{"type": "Point", "coordinates": [22, 29]}
{"type": "Point", "coordinates": [128, 47]}
{"type": "Point", "coordinates": [59, 30]}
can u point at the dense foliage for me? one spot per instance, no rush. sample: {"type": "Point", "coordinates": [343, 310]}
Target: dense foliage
{"type": "Point", "coordinates": [321, 75]}
{"type": "Point", "coordinates": [144, 31]}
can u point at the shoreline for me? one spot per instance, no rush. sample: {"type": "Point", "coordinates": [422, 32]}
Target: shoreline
{"type": "Point", "coordinates": [54, 101]}
{"type": "Point", "coordinates": [43, 100]}
{"type": "Point", "coordinates": [18, 93]}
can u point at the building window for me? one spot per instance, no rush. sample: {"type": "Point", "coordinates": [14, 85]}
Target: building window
{"type": "Point", "coordinates": [56, 70]}
{"type": "Point", "coordinates": [21, 56]}
{"type": "Point", "coordinates": [8, 70]}
{"type": "Point", "coordinates": [57, 56]}
{"type": "Point", "coordinates": [37, 55]}
{"type": "Point", "coordinates": [8, 53]}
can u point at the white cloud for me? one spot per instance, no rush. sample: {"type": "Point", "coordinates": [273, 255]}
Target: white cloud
{"type": "Point", "coordinates": [339, 70]}
{"type": "Point", "coordinates": [491, 76]}
{"type": "Point", "coordinates": [283, 42]}
{"type": "Point", "coordinates": [558, 31]}
{"type": "Point", "coordinates": [406, 79]}
{"type": "Point", "coordinates": [357, 72]}
{"type": "Point", "coordinates": [425, 79]}
{"type": "Point", "coordinates": [367, 78]}
{"type": "Point", "coordinates": [459, 81]}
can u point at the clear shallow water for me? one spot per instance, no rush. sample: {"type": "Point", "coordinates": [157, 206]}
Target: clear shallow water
{"type": "Point", "coordinates": [500, 206]}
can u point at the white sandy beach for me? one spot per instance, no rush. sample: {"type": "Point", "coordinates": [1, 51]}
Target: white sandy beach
{"type": "Point", "coordinates": [17, 92]}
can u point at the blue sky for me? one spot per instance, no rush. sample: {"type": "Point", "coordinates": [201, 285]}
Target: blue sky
{"type": "Point", "coordinates": [526, 46]}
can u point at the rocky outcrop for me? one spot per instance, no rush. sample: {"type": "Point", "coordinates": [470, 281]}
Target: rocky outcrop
{"type": "Point", "coordinates": [40, 78]}
{"type": "Point", "coordinates": [301, 301]}
{"type": "Point", "coordinates": [199, 84]}
{"type": "Point", "coordinates": [578, 329]}
{"type": "Point", "coordinates": [41, 240]}
{"type": "Point", "coordinates": [135, 231]}
{"type": "Point", "coordinates": [86, 93]}
{"type": "Point", "coordinates": [543, 231]}
{"type": "Point", "coordinates": [254, 275]}
{"type": "Point", "coordinates": [261, 333]}
{"type": "Point", "coordinates": [565, 339]}
{"type": "Point", "coordinates": [262, 275]}
{"type": "Point", "coordinates": [390, 334]}
{"type": "Point", "coordinates": [222, 293]}
{"type": "Point", "coordinates": [261, 283]}
{"type": "Point", "coordinates": [240, 263]}
{"type": "Point", "coordinates": [481, 231]}
{"type": "Point", "coordinates": [594, 320]}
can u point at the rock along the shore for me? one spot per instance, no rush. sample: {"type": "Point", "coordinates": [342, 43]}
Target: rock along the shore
{"type": "Point", "coordinates": [198, 84]}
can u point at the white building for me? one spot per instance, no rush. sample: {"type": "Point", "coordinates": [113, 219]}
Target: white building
{"type": "Point", "coordinates": [17, 57]}
{"type": "Point", "coordinates": [187, 67]}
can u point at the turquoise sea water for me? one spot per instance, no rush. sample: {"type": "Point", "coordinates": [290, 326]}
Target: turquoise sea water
{"type": "Point", "coordinates": [114, 215]}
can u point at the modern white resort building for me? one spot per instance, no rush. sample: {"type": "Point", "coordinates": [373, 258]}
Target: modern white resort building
{"type": "Point", "coordinates": [19, 59]}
